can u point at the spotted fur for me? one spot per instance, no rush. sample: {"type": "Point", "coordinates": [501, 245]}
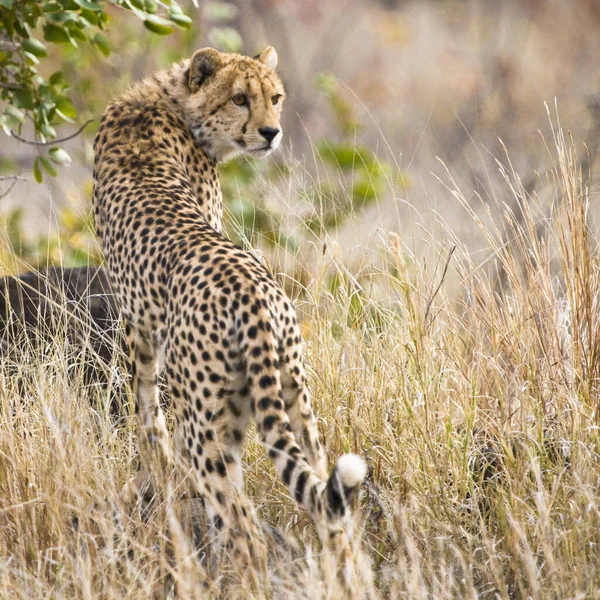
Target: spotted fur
{"type": "Point", "coordinates": [229, 334]}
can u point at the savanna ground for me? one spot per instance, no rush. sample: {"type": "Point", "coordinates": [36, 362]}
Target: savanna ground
{"type": "Point", "coordinates": [451, 324]}
{"type": "Point", "coordinates": [477, 415]}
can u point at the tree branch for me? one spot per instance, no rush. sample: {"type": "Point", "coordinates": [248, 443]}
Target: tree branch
{"type": "Point", "coordinates": [52, 142]}
{"type": "Point", "coordinates": [10, 86]}
{"type": "Point", "coordinates": [14, 178]}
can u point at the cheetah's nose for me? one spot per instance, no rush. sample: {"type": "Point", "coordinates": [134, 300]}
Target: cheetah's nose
{"type": "Point", "coordinates": [268, 133]}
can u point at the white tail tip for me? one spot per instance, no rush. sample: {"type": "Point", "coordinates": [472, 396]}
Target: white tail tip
{"type": "Point", "coordinates": [351, 470]}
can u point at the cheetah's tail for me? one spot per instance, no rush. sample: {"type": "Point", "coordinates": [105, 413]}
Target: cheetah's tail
{"type": "Point", "coordinates": [343, 483]}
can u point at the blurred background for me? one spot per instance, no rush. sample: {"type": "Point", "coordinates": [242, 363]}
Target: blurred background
{"type": "Point", "coordinates": [392, 105]}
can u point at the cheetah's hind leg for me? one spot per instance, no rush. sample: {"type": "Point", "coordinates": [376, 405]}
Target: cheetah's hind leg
{"type": "Point", "coordinates": [212, 412]}
{"type": "Point", "coordinates": [302, 421]}
{"type": "Point", "coordinates": [287, 429]}
{"type": "Point", "coordinates": [155, 456]}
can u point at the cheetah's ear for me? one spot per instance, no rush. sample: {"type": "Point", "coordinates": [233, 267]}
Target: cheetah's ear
{"type": "Point", "coordinates": [202, 65]}
{"type": "Point", "coordinates": [268, 57]}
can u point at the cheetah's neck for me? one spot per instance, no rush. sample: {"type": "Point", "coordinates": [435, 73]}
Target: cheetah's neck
{"type": "Point", "coordinates": [166, 92]}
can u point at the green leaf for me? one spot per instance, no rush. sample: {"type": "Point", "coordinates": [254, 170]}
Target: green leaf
{"type": "Point", "coordinates": [21, 28]}
{"type": "Point", "coordinates": [69, 4]}
{"type": "Point", "coordinates": [102, 44]}
{"type": "Point", "coordinates": [48, 166]}
{"type": "Point", "coordinates": [9, 123]}
{"type": "Point", "coordinates": [56, 34]}
{"type": "Point", "coordinates": [59, 156]}
{"type": "Point", "coordinates": [65, 16]}
{"type": "Point", "coordinates": [52, 7]}
{"type": "Point", "coordinates": [48, 131]}
{"type": "Point", "coordinates": [6, 3]}
{"type": "Point", "coordinates": [57, 78]}
{"type": "Point", "coordinates": [35, 47]}
{"type": "Point", "coordinates": [88, 5]}
{"type": "Point", "coordinates": [158, 25]}
{"type": "Point", "coordinates": [15, 113]}
{"type": "Point", "coordinates": [37, 172]}
{"type": "Point", "coordinates": [83, 23]}
{"type": "Point", "coordinates": [139, 4]}
{"type": "Point", "coordinates": [43, 111]}
{"type": "Point", "coordinates": [150, 6]}
{"type": "Point", "coordinates": [91, 17]}
{"type": "Point", "coordinates": [23, 99]}
{"type": "Point", "coordinates": [65, 108]}
{"type": "Point", "coordinates": [32, 58]}
{"type": "Point", "coordinates": [45, 91]}
{"type": "Point", "coordinates": [180, 19]}
{"type": "Point", "coordinates": [76, 33]}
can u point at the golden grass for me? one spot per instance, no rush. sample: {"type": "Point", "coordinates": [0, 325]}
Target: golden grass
{"type": "Point", "coordinates": [477, 414]}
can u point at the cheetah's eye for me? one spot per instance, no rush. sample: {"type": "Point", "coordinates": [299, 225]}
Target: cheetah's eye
{"type": "Point", "coordinates": [240, 99]}
{"type": "Point", "coordinates": [275, 99]}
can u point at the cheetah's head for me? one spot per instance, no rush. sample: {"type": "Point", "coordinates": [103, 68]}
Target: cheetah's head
{"type": "Point", "coordinates": [234, 102]}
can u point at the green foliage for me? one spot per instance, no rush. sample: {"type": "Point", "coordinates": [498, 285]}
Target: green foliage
{"type": "Point", "coordinates": [342, 110]}
{"type": "Point", "coordinates": [25, 94]}
{"type": "Point", "coordinates": [353, 178]}
{"type": "Point", "coordinates": [369, 173]}
{"type": "Point", "coordinates": [222, 35]}
{"type": "Point", "coordinates": [242, 183]}
{"type": "Point", "coordinates": [361, 178]}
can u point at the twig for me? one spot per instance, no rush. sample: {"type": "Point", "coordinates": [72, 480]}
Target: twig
{"type": "Point", "coordinates": [15, 179]}
{"type": "Point", "coordinates": [10, 187]}
{"type": "Point", "coordinates": [437, 289]}
{"type": "Point", "coordinates": [9, 86]}
{"type": "Point", "coordinates": [58, 141]}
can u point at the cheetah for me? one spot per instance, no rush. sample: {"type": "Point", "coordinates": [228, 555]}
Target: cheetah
{"type": "Point", "coordinates": [228, 333]}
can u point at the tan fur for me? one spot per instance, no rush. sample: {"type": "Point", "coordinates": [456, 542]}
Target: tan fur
{"type": "Point", "coordinates": [233, 345]}
{"type": "Point", "coordinates": [219, 126]}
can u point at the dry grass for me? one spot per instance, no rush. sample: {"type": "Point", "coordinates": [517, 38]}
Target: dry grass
{"type": "Point", "coordinates": [477, 414]}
